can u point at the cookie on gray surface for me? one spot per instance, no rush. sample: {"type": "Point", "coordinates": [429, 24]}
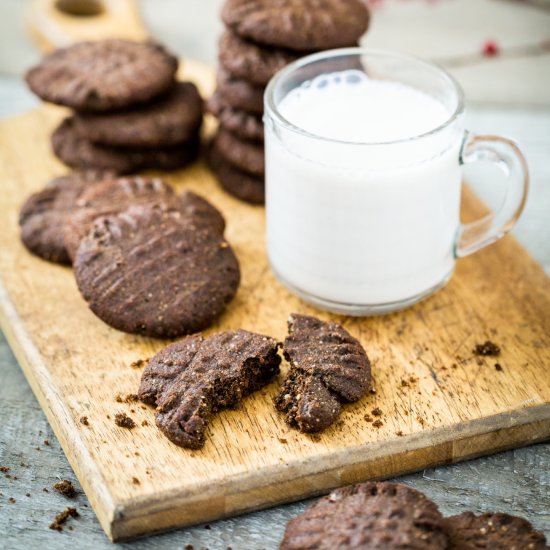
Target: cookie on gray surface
{"type": "Point", "coordinates": [492, 530]}
{"type": "Point", "coordinates": [80, 153]}
{"type": "Point", "coordinates": [116, 194]}
{"type": "Point", "coordinates": [103, 75]}
{"type": "Point", "coordinates": [191, 379]}
{"type": "Point", "coordinates": [245, 125]}
{"type": "Point", "coordinates": [303, 25]}
{"type": "Point", "coordinates": [174, 118]}
{"type": "Point", "coordinates": [370, 516]}
{"type": "Point", "coordinates": [240, 93]}
{"type": "Point", "coordinates": [43, 215]}
{"type": "Point", "coordinates": [148, 270]}
{"type": "Point", "coordinates": [241, 185]}
{"type": "Point", "coordinates": [251, 62]}
{"type": "Point", "coordinates": [246, 155]}
{"type": "Point", "coordinates": [328, 367]}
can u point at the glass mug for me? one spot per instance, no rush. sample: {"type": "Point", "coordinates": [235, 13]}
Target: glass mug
{"type": "Point", "coordinates": [364, 228]}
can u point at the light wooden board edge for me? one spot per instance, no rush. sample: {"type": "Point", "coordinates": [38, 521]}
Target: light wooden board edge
{"type": "Point", "coordinates": [126, 520]}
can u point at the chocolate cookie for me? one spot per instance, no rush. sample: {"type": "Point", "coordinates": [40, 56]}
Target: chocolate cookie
{"type": "Point", "coordinates": [81, 153]}
{"type": "Point", "coordinates": [492, 530]}
{"type": "Point", "coordinates": [242, 124]}
{"type": "Point", "coordinates": [103, 75]}
{"type": "Point", "coordinates": [174, 118]}
{"type": "Point", "coordinates": [150, 271]}
{"type": "Point", "coordinates": [303, 25]}
{"type": "Point", "coordinates": [370, 515]}
{"type": "Point", "coordinates": [44, 214]}
{"type": "Point", "coordinates": [240, 94]}
{"type": "Point", "coordinates": [328, 367]}
{"type": "Point", "coordinates": [195, 377]}
{"type": "Point", "coordinates": [115, 195]}
{"type": "Point", "coordinates": [246, 60]}
{"type": "Point", "coordinates": [241, 185]}
{"type": "Point", "coordinates": [246, 155]}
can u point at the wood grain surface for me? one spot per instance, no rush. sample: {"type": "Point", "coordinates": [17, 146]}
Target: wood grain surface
{"type": "Point", "coordinates": [455, 407]}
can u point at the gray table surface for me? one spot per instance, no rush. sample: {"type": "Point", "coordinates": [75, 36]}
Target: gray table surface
{"type": "Point", "coordinates": [516, 481]}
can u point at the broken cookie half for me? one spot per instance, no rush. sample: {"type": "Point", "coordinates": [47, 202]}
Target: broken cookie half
{"type": "Point", "coordinates": [193, 378]}
{"type": "Point", "coordinates": [328, 367]}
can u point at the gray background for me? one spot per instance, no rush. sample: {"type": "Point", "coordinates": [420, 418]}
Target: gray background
{"type": "Point", "coordinates": [515, 481]}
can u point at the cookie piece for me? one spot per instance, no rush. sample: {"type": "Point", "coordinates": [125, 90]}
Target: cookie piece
{"type": "Point", "coordinates": [81, 153]}
{"type": "Point", "coordinates": [251, 62]}
{"type": "Point", "coordinates": [195, 377]}
{"type": "Point", "coordinates": [115, 195]}
{"type": "Point", "coordinates": [103, 75]}
{"type": "Point", "coordinates": [240, 94]}
{"type": "Point", "coordinates": [246, 155]}
{"type": "Point", "coordinates": [370, 516]}
{"type": "Point", "coordinates": [43, 215]}
{"type": "Point", "coordinates": [242, 124]}
{"type": "Point", "coordinates": [241, 185]}
{"type": "Point", "coordinates": [149, 271]}
{"type": "Point", "coordinates": [328, 367]}
{"type": "Point", "coordinates": [303, 25]}
{"type": "Point", "coordinates": [174, 118]}
{"type": "Point", "coordinates": [492, 530]}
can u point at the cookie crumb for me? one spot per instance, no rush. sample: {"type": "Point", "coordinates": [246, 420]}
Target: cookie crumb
{"type": "Point", "coordinates": [136, 481]}
{"type": "Point", "coordinates": [487, 349]}
{"type": "Point", "coordinates": [65, 488]}
{"type": "Point", "coordinates": [368, 418]}
{"type": "Point", "coordinates": [84, 420]}
{"type": "Point", "coordinates": [189, 547]}
{"type": "Point", "coordinates": [46, 442]}
{"type": "Point", "coordinates": [377, 411]}
{"type": "Point", "coordinates": [128, 398]}
{"type": "Point", "coordinates": [378, 423]}
{"type": "Point", "coordinates": [139, 364]}
{"type": "Point", "coordinates": [145, 423]}
{"type": "Point", "coordinates": [27, 494]}
{"type": "Point", "coordinates": [124, 421]}
{"type": "Point", "coordinates": [4, 469]}
{"type": "Point", "coordinates": [498, 366]}
{"type": "Point", "coordinates": [420, 420]}
{"type": "Point", "coordinates": [62, 517]}
{"type": "Point", "coordinates": [283, 440]}
{"type": "Point", "coordinates": [45, 490]}
{"type": "Point", "coordinates": [399, 433]}
{"type": "Point", "coordinates": [11, 500]}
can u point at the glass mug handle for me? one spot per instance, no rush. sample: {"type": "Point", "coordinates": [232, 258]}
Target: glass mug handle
{"type": "Point", "coordinates": [506, 155]}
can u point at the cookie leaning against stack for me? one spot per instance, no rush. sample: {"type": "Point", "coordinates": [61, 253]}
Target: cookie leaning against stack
{"type": "Point", "coordinates": [130, 113]}
{"type": "Point", "coordinates": [262, 37]}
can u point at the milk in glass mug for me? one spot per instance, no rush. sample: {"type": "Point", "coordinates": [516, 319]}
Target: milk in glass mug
{"type": "Point", "coordinates": [364, 150]}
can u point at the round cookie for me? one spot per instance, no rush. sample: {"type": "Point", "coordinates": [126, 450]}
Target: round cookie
{"type": "Point", "coordinates": [240, 94]}
{"type": "Point", "coordinates": [174, 118]}
{"type": "Point", "coordinates": [241, 185]}
{"type": "Point", "coordinates": [241, 123]}
{"type": "Point", "coordinates": [83, 154]}
{"type": "Point", "coordinates": [303, 25]}
{"type": "Point", "coordinates": [370, 516]}
{"type": "Point", "coordinates": [43, 215]}
{"type": "Point", "coordinates": [248, 156]}
{"type": "Point", "coordinates": [148, 271]}
{"type": "Point", "coordinates": [115, 195]}
{"type": "Point", "coordinates": [103, 75]}
{"type": "Point", "coordinates": [470, 532]}
{"type": "Point", "coordinates": [246, 60]}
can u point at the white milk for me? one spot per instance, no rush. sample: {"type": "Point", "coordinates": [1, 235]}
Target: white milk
{"type": "Point", "coordinates": [362, 224]}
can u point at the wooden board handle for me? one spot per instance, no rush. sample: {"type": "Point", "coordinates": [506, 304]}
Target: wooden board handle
{"type": "Point", "coordinates": [55, 23]}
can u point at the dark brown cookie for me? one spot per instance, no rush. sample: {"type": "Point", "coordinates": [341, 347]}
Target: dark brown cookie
{"type": "Point", "coordinates": [149, 271]}
{"type": "Point", "coordinates": [115, 195]}
{"type": "Point", "coordinates": [242, 124]}
{"type": "Point", "coordinates": [103, 75]}
{"type": "Point", "coordinates": [246, 155]}
{"type": "Point", "coordinates": [303, 25]}
{"type": "Point", "coordinates": [191, 379]}
{"type": "Point", "coordinates": [174, 118]}
{"type": "Point", "coordinates": [369, 516]}
{"type": "Point", "coordinates": [246, 60]}
{"type": "Point", "coordinates": [44, 214]}
{"type": "Point", "coordinates": [492, 530]}
{"type": "Point", "coordinates": [241, 185]}
{"type": "Point", "coordinates": [328, 367]}
{"type": "Point", "coordinates": [240, 94]}
{"type": "Point", "coordinates": [83, 154]}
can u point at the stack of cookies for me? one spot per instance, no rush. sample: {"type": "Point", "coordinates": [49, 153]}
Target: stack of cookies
{"type": "Point", "coordinates": [130, 113]}
{"type": "Point", "coordinates": [261, 37]}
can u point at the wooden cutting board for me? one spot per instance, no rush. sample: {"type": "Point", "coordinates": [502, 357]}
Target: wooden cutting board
{"type": "Point", "coordinates": [439, 404]}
